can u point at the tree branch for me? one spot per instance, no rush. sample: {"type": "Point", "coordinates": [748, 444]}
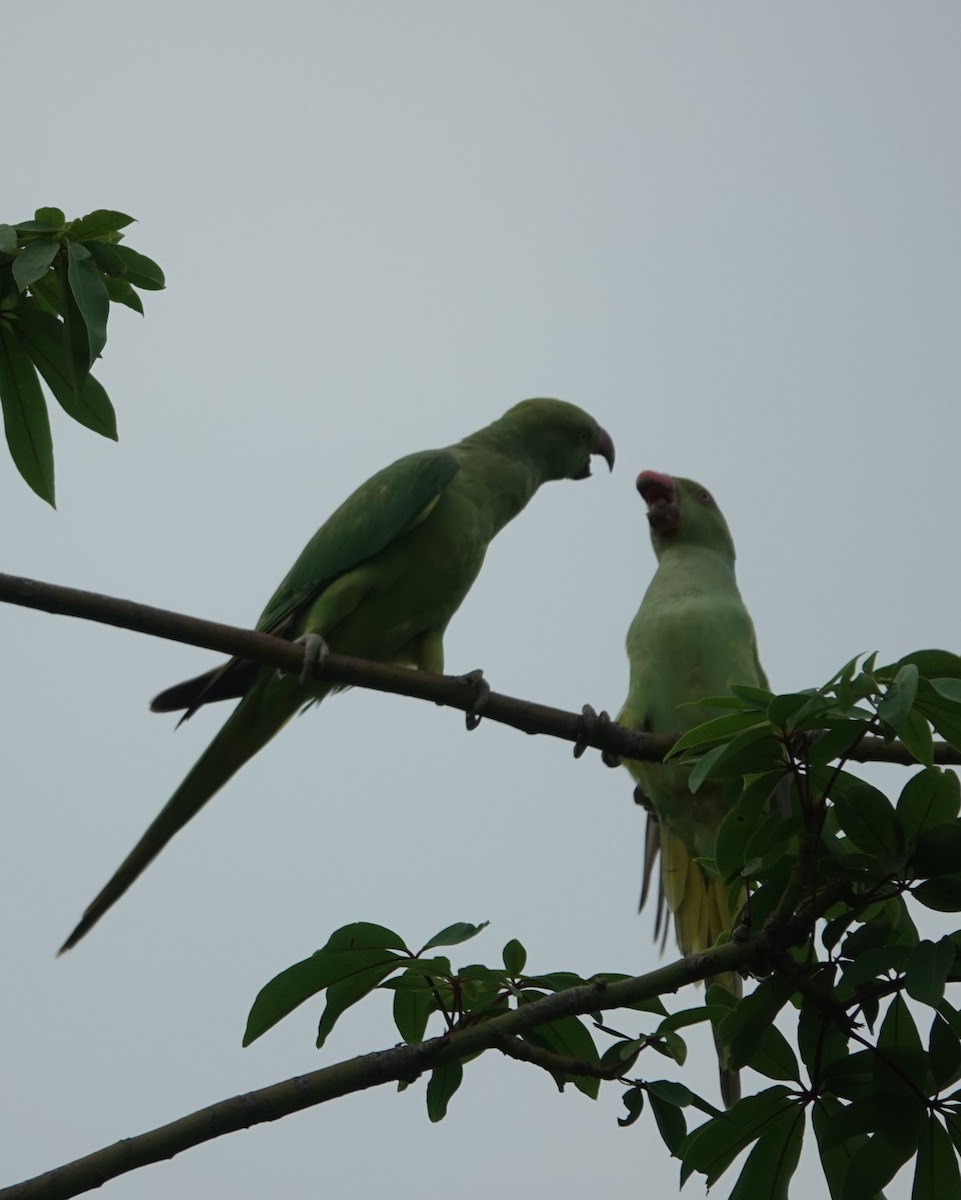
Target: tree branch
{"type": "Point", "coordinates": [449, 690]}
{"type": "Point", "coordinates": [329, 1083]}
{"type": "Point", "coordinates": [405, 1062]}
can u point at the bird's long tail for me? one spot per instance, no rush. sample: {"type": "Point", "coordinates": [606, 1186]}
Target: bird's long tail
{"type": "Point", "coordinates": [699, 903]}
{"type": "Point", "coordinates": [261, 714]}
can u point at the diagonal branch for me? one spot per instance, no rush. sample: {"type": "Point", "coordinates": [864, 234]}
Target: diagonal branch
{"type": "Point", "coordinates": [408, 1062]}
{"type": "Point", "coordinates": [448, 690]}
{"type": "Point", "coordinates": [353, 1075]}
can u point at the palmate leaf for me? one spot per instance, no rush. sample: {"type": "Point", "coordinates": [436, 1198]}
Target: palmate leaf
{"type": "Point", "coordinates": [713, 1146]}
{"type": "Point", "coordinates": [42, 336]}
{"type": "Point", "coordinates": [936, 1175]}
{"type": "Point", "coordinates": [354, 961]}
{"type": "Point", "coordinates": [773, 1161]}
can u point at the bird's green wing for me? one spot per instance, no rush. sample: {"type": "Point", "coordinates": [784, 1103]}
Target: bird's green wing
{"type": "Point", "coordinates": [380, 510]}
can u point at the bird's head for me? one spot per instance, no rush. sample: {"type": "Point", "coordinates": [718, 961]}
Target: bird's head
{"type": "Point", "coordinates": [559, 437]}
{"type": "Point", "coordinates": [683, 512]}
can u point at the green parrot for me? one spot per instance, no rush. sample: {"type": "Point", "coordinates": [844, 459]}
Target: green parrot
{"type": "Point", "coordinates": [692, 638]}
{"type": "Point", "coordinates": [380, 579]}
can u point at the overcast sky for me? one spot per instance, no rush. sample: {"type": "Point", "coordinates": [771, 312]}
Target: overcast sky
{"type": "Point", "coordinates": [730, 232]}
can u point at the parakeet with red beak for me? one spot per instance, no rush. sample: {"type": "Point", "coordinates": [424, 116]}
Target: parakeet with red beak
{"type": "Point", "coordinates": [692, 638]}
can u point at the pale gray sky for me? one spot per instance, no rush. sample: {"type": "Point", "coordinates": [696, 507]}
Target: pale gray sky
{"type": "Point", "coordinates": [728, 231]}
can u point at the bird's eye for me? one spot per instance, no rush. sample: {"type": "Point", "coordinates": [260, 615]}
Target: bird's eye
{"type": "Point", "coordinates": [585, 435]}
{"type": "Point", "coordinates": [705, 496]}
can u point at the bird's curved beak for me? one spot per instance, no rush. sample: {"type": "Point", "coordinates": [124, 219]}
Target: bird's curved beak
{"type": "Point", "coordinates": [605, 447]}
{"type": "Point", "coordinates": [659, 493]}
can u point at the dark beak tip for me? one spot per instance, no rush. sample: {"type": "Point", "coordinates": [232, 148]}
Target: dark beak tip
{"type": "Point", "coordinates": [605, 447]}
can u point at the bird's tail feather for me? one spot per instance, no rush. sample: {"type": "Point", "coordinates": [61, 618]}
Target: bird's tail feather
{"type": "Point", "coordinates": [700, 904]}
{"type": "Point", "coordinates": [251, 725]}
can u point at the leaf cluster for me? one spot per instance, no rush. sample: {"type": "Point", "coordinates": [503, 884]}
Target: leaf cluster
{"type": "Point", "coordinates": [57, 280]}
{"type": "Point", "coordinates": [825, 872]}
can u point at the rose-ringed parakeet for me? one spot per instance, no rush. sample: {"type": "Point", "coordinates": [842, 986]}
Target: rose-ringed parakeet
{"type": "Point", "coordinates": [692, 638]}
{"type": "Point", "coordinates": [379, 580]}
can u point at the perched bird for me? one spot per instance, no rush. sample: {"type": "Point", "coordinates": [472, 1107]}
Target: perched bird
{"type": "Point", "coordinates": [692, 638]}
{"type": "Point", "coordinates": [380, 579]}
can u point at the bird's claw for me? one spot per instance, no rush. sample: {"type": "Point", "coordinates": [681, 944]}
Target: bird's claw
{"type": "Point", "coordinates": [482, 691]}
{"type": "Point", "coordinates": [315, 651]}
{"type": "Point", "coordinates": [591, 726]}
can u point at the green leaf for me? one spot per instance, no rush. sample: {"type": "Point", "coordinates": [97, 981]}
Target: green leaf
{"type": "Point", "coordinates": [944, 1053]}
{"type": "Point", "coordinates": [915, 733]}
{"type": "Point", "coordinates": [942, 895]}
{"type": "Point", "coordinates": [42, 336]}
{"type": "Point", "coordinates": [443, 1083]}
{"type": "Point", "coordinates": [105, 256]}
{"type": "Point", "coordinates": [773, 1161]}
{"type": "Point", "coordinates": [670, 1092]}
{"type": "Point", "coordinates": [633, 1100]}
{"type": "Point", "coordinates": [835, 1158]}
{"type": "Point", "coordinates": [28, 228]}
{"type": "Point", "coordinates": [874, 964]}
{"type": "Point", "coordinates": [740, 823]}
{"type": "Point", "coordinates": [369, 970]}
{"type": "Point", "coordinates": [820, 1042]}
{"type": "Point", "coordinates": [837, 740]}
{"type": "Point", "coordinates": [717, 729]}
{"type": "Point", "coordinates": [753, 752]}
{"type": "Point", "coordinates": [929, 798]}
{"type": "Point", "coordinates": [930, 663]}
{"type": "Point", "coordinates": [454, 935]}
{"type": "Point", "coordinates": [872, 935]}
{"type": "Point", "coordinates": [866, 816]}
{"type": "Point", "coordinates": [713, 1146]}
{"type": "Point", "coordinates": [902, 1065]}
{"type": "Point", "coordinates": [350, 951]}
{"type": "Point", "coordinates": [33, 261]}
{"type": "Point", "coordinates": [942, 711]}
{"type": "Point", "coordinates": [120, 292]}
{"type": "Point", "coordinates": [927, 971]}
{"type": "Point", "coordinates": [45, 292]}
{"type": "Point", "coordinates": [790, 708]}
{"type": "Point", "coordinates": [950, 689]}
{"type": "Point", "coordinates": [899, 697]}
{"type": "Point", "coordinates": [25, 420]}
{"type": "Point", "coordinates": [752, 697]}
{"type": "Point", "coordinates": [936, 1174]}
{"type": "Point", "coordinates": [568, 1036]}
{"type": "Point", "coordinates": [96, 224]}
{"type": "Point", "coordinates": [412, 1008]}
{"type": "Point", "coordinates": [872, 1166]}
{"type": "Point", "coordinates": [704, 766]}
{"type": "Point", "coordinates": [773, 1056]}
{"type": "Point", "coordinates": [8, 240]}
{"type": "Point", "coordinates": [515, 957]}
{"type": "Point", "coordinates": [849, 1076]}
{"type": "Point", "coordinates": [141, 271]}
{"type": "Point", "coordinates": [937, 851]}
{"type": "Point", "coordinates": [749, 1023]}
{"type": "Point", "coordinates": [671, 1123]}
{"type": "Point", "coordinates": [90, 295]}
{"type": "Point", "coordinates": [51, 216]}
